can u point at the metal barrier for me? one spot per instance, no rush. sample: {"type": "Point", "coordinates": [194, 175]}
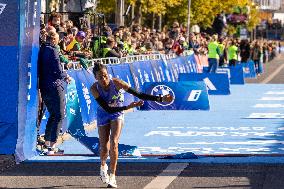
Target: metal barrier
{"type": "Point", "coordinates": [128, 59]}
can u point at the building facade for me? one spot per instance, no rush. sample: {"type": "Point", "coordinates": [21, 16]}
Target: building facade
{"type": "Point", "coordinates": [269, 4]}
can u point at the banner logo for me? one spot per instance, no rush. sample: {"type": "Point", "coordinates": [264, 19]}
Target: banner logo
{"type": "Point", "coordinates": [194, 95]}
{"type": "Point", "coordinates": [163, 90]}
{"type": "Point", "coordinates": [2, 7]}
{"type": "Point", "coordinates": [72, 95]}
{"type": "Point", "coordinates": [209, 84]}
{"type": "Point", "coordinates": [246, 70]}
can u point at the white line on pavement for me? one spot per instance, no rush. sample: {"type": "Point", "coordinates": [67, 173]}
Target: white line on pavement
{"type": "Point", "coordinates": [164, 179]}
{"type": "Point", "coordinates": [272, 98]}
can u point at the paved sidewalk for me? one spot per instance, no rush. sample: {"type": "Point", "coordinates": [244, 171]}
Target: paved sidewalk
{"type": "Point", "coordinates": [6, 161]}
{"type": "Point", "coordinates": [269, 69]}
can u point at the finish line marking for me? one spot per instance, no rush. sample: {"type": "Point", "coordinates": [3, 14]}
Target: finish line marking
{"type": "Point", "coordinates": [164, 179]}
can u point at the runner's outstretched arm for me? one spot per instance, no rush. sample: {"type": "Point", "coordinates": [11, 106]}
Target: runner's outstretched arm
{"type": "Point", "coordinates": [123, 85]}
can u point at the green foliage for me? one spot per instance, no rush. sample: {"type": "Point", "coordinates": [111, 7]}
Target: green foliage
{"type": "Point", "coordinates": [203, 12]}
{"type": "Point", "coordinates": [106, 6]}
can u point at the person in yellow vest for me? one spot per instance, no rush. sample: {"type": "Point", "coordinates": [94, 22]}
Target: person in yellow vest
{"type": "Point", "coordinates": [222, 56]}
{"type": "Point", "coordinates": [75, 46]}
{"type": "Point", "coordinates": [108, 51]}
{"type": "Point", "coordinates": [213, 54]}
{"type": "Point", "coordinates": [233, 53]}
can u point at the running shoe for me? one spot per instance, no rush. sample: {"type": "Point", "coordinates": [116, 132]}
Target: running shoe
{"type": "Point", "coordinates": [103, 174]}
{"type": "Point", "coordinates": [51, 151]}
{"type": "Point", "coordinates": [112, 182]}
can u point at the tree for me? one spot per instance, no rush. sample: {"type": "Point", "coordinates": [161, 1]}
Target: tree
{"type": "Point", "coordinates": [153, 7]}
{"type": "Point", "coordinates": [203, 12]}
{"type": "Point", "coordinates": [106, 7]}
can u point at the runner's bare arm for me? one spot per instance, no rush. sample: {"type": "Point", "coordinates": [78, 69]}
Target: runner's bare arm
{"type": "Point", "coordinates": [123, 85]}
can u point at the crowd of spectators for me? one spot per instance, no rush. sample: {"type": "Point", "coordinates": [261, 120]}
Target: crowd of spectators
{"type": "Point", "coordinates": [84, 43]}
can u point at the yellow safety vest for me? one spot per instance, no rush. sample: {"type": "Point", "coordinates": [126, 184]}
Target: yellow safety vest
{"type": "Point", "coordinates": [105, 51]}
{"type": "Point", "coordinates": [212, 48]}
{"type": "Point", "coordinates": [71, 45]}
{"type": "Point", "coordinates": [221, 48]}
{"type": "Point", "coordinates": [232, 51]}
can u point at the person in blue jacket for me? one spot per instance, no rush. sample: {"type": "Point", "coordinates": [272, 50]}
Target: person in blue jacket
{"type": "Point", "coordinates": [51, 85]}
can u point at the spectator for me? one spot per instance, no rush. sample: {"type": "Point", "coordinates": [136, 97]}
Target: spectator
{"type": "Point", "coordinates": [233, 53]}
{"type": "Point", "coordinates": [222, 55]}
{"type": "Point", "coordinates": [51, 85]}
{"type": "Point", "coordinates": [213, 54]}
{"type": "Point", "coordinates": [244, 51]}
{"type": "Point", "coordinates": [55, 20]}
{"type": "Point", "coordinates": [256, 54]}
{"type": "Point", "coordinates": [75, 47]}
{"type": "Point", "coordinates": [108, 51]}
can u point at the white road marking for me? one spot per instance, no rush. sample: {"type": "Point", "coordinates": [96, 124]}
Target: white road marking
{"type": "Point", "coordinates": [235, 143]}
{"type": "Point", "coordinates": [269, 106]}
{"type": "Point", "coordinates": [164, 179]}
{"type": "Point", "coordinates": [266, 116]}
{"type": "Point", "coordinates": [272, 98]}
{"type": "Point", "coordinates": [275, 93]}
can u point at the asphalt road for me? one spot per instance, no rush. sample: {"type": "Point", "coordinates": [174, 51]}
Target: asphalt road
{"type": "Point", "coordinates": [139, 175]}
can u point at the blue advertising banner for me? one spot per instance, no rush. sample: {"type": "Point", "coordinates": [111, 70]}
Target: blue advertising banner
{"type": "Point", "coordinates": [191, 62]}
{"type": "Point", "coordinates": [158, 71]}
{"type": "Point", "coordinates": [181, 65]}
{"type": "Point", "coordinates": [9, 87]}
{"type": "Point", "coordinates": [27, 30]}
{"type": "Point", "coordinates": [161, 71]}
{"type": "Point", "coordinates": [10, 23]}
{"type": "Point", "coordinates": [249, 69]}
{"type": "Point", "coordinates": [184, 60]}
{"type": "Point", "coordinates": [237, 75]}
{"type": "Point", "coordinates": [187, 96]}
{"type": "Point", "coordinates": [169, 70]}
{"type": "Point", "coordinates": [122, 71]}
{"type": "Point", "coordinates": [74, 120]}
{"type": "Point", "coordinates": [173, 69]}
{"type": "Point", "coordinates": [142, 72]}
{"type": "Point", "coordinates": [84, 96]}
{"type": "Point", "coordinates": [90, 79]}
{"type": "Point", "coordinates": [224, 70]}
{"type": "Point", "coordinates": [178, 66]}
{"type": "Point", "coordinates": [217, 84]}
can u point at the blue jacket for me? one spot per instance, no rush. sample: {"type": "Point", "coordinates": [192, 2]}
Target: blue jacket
{"type": "Point", "coordinates": [50, 71]}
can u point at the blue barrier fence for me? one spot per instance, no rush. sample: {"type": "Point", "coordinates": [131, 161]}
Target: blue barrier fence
{"type": "Point", "coordinates": [217, 84]}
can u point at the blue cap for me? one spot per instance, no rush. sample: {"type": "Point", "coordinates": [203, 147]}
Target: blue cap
{"type": "Point", "coordinates": [81, 34]}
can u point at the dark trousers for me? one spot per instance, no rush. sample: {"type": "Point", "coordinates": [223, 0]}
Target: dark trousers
{"type": "Point", "coordinates": [257, 66]}
{"type": "Point", "coordinates": [232, 62]}
{"type": "Point", "coordinates": [213, 65]}
{"type": "Point", "coordinates": [54, 99]}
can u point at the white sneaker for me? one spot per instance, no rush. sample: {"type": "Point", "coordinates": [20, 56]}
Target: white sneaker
{"type": "Point", "coordinates": [112, 182]}
{"type": "Point", "coordinates": [103, 174]}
